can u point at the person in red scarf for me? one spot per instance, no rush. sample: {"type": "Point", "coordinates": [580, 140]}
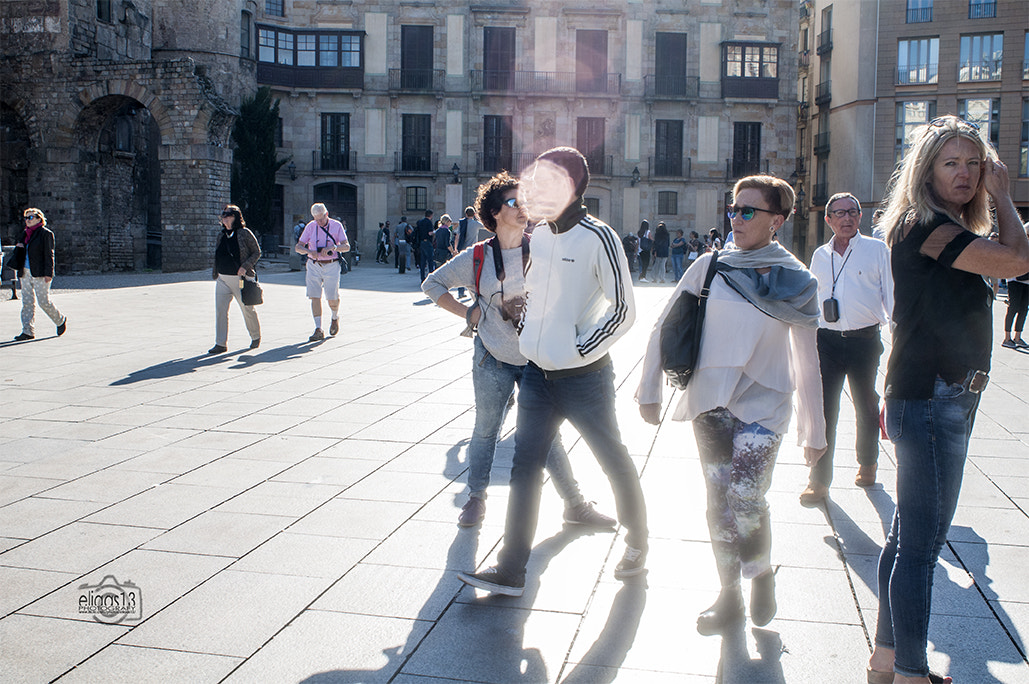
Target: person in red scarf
{"type": "Point", "coordinates": [34, 263]}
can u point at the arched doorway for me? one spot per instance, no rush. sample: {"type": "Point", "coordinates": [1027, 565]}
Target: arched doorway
{"type": "Point", "coordinates": [14, 173]}
{"type": "Point", "coordinates": [341, 201]}
{"type": "Point", "coordinates": [121, 202]}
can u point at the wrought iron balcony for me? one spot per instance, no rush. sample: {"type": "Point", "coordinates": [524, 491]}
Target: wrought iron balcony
{"type": "Point", "coordinates": [416, 163]}
{"type": "Point", "coordinates": [982, 9]}
{"type": "Point", "coordinates": [821, 147]}
{"type": "Point", "coordinates": [917, 74]}
{"type": "Point", "coordinates": [417, 80]}
{"type": "Point", "coordinates": [823, 93]}
{"type": "Point", "coordinates": [671, 87]}
{"type": "Point", "coordinates": [824, 42]}
{"type": "Point", "coordinates": [669, 167]}
{"type": "Point", "coordinates": [820, 193]}
{"type": "Point", "coordinates": [920, 15]}
{"type": "Point", "coordinates": [544, 82]}
{"type": "Point", "coordinates": [323, 161]}
{"type": "Point", "coordinates": [983, 70]}
{"type": "Point", "coordinates": [736, 168]}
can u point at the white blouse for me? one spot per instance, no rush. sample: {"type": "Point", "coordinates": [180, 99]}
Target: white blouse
{"type": "Point", "coordinates": [750, 364]}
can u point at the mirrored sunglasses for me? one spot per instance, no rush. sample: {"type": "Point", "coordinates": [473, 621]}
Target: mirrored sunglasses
{"type": "Point", "coordinates": [746, 213]}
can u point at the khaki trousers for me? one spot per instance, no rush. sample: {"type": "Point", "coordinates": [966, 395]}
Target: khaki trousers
{"type": "Point", "coordinates": [33, 290]}
{"type": "Point", "coordinates": [225, 290]}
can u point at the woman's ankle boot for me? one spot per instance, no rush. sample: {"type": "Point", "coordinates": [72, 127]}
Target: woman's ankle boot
{"type": "Point", "coordinates": [727, 611]}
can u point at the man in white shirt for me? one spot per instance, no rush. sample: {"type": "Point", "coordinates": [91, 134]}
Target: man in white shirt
{"type": "Point", "coordinates": [324, 240]}
{"type": "Point", "coordinates": [855, 286]}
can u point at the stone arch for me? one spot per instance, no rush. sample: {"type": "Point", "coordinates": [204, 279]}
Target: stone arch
{"type": "Point", "coordinates": [133, 90]}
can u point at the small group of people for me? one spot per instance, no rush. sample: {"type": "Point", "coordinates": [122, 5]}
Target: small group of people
{"type": "Point", "coordinates": [428, 244]}
{"type": "Point", "coordinates": [652, 250]}
{"type": "Point", "coordinates": [323, 242]}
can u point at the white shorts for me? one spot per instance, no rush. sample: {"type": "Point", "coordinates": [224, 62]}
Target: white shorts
{"type": "Point", "coordinates": [323, 275]}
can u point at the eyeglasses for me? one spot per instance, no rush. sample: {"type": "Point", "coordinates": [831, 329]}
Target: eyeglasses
{"type": "Point", "coordinates": [512, 202]}
{"type": "Point", "coordinates": [840, 213]}
{"type": "Point", "coordinates": [31, 217]}
{"type": "Point", "coordinates": [746, 213]}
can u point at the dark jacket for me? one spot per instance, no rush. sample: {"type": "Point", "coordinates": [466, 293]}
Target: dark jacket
{"type": "Point", "coordinates": [249, 252]}
{"type": "Point", "coordinates": [39, 252]}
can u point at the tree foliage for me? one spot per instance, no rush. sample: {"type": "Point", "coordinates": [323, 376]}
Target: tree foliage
{"type": "Point", "coordinates": [254, 161]}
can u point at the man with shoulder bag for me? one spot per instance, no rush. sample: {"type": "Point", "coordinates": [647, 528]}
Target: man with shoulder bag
{"type": "Point", "coordinates": [324, 241]}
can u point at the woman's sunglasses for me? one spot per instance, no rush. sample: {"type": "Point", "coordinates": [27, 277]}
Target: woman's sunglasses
{"type": "Point", "coordinates": [746, 213]}
{"type": "Point", "coordinates": [31, 217]}
{"type": "Point", "coordinates": [512, 202]}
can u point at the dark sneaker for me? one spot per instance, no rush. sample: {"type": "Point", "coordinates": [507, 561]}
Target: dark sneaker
{"type": "Point", "coordinates": [472, 513]}
{"type": "Point", "coordinates": [1010, 344]}
{"type": "Point", "coordinates": [727, 611]}
{"type": "Point", "coordinates": [316, 335]}
{"type": "Point", "coordinates": [62, 327]}
{"type": "Point", "coordinates": [334, 326]}
{"type": "Point", "coordinates": [23, 337]}
{"type": "Point", "coordinates": [586, 514]}
{"type": "Point", "coordinates": [493, 580]}
{"type": "Point", "coordinates": [217, 349]}
{"type": "Point", "coordinates": [254, 344]}
{"type": "Point", "coordinates": [762, 598]}
{"type": "Point", "coordinates": [1021, 344]}
{"type": "Point", "coordinates": [633, 563]}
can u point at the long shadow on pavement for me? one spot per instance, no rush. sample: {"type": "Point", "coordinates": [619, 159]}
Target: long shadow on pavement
{"type": "Point", "coordinates": [615, 639]}
{"type": "Point", "coordinates": [170, 369]}
{"type": "Point", "coordinates": [737, 667]}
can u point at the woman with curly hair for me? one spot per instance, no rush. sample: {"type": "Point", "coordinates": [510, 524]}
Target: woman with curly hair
{"type": "Point", "coordinates": [235, 257]}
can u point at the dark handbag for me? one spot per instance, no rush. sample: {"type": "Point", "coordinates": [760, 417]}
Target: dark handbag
{"type": "Point", "coordinates": [680, 332]}
{"type": "Point", "coordinates": [251, 291]}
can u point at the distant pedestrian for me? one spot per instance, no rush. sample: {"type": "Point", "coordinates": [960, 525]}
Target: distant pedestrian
{"type": "Point", "coordinates": [467, 234]}
{"type": "Point", "coordinates": [381, 244]}
{"type": "Point", "coordinates": [235, 258]}
{"type": "Point", "coordinates": [678, 252]}
{"type": "Point", "coordinates": [423, 239]}
{"type": "Point", "coordinates": [401, 240]}
{"type": "Point", "coordinates": [694, 248]}
{"type": "Point", "coordinates": [662, 246]}
{"type": "Point", "coordinates": [714, 239]}
{"type": "Point", "coordinates": [631, 246]}
{"type": "Point", "coordinates": [1018, 305]}
{"type": "Point", "coordinates": [443, 241]}
{"type": "Point", "coordinates": [34, 263]}
{"type": "Point", "coordinates": [646, 242]}
{"type": "Point", "coordinates": [325, 241]}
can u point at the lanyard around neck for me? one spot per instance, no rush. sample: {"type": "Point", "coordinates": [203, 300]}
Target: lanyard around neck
{"type": "Point", "coordinates": [835, 275]}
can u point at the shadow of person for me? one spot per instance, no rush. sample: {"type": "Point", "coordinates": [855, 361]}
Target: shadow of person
{"type": "Point", "coordinates": [171, 369]}
{"type": "Point", "coordinates": [735, 666]}
{"type": "Point", "coordinates": [283, 353]}
{"type": "Point", "coordinates": [615, 639]}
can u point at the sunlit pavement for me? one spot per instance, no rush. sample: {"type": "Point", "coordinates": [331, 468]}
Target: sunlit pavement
{"type": "Point", "coordinates": [289, 514]}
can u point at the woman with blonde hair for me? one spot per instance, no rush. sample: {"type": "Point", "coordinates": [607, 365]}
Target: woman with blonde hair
{"type": "Point", "coordinates": [740, 395]}
{"type": "Point", "coordinates": [235, 258]}
{"type": "Point", "coordinates": [33, 260]}
{"type": "Point", "coordinates": [936, 222]}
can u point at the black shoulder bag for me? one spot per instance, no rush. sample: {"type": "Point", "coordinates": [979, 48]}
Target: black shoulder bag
{"type": "Point", "coordinates": [344, 266]}
{"type": "Point", "coordinates": [680, 332]}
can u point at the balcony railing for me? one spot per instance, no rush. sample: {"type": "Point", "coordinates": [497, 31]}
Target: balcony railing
{"type": "Point", "coordinates": [824, 42]}
{"type": "Point", "coordinates": [750, 87]}
{"type": "Point", "coordinates": [804, 59]}
{"type": "Point", "coordinates": [600, 165]}
{"type": "Point", "coordinates": [920, 15]}
{"type": "Point", "coordinates": [820, 193]}
{"type": "Point", "coordinates": [821, 147]}
{"type": "Point", "coordinates": [800, 166]}
{"type": "Point", "coordinates": [823, 93]}
{"type": "Point", "coordinates": [417, 80]}
{"type": "Point", "coordinates": [309, 77]}
{"type": "Point", "coordinates": [1025, 71]}
{"type": "Point", "coordinates": [418, 163]}
{"type": "Point", "coordinates": [978, 9]}
{"type": "Point", "coordinates": [493, 163]}
{"type": "Point", "coordinates": [671, 87]}
{"type": "Point", "coordinates": [803, 112]}
{"type": "Point", "coordinates": [738, 168]}
{"type": "Point", "coordinates": [544, 82]}
{"type": "Point", "coordinates": [917, 74]}
{"type": "Point", "coordinates": [669, 167]}
{"type": "Point", "coordinates": [984, 70]}
{"type": "Point", "coordinates": [328, 162]}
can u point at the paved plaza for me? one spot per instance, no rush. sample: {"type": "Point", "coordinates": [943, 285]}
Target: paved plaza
{"type": "Point", "coordinates": [288, 514]}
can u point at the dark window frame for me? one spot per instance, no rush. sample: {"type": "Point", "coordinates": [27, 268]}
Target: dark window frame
{"type": "Point", "coordinates": [498, 57]}
{"type": "Point", "coordinates": [246, 35]}
{"type": "Point", "coordinates": [104, 11]}
{"type": "Point", "coordinates": [275, 8]}
{"type": "Point", "coordinates": [416, 142]}
{"type": "Point", "coordinates": [667, 202]}
{"type": "Point", "coordinates": [668, 147]}
{"type": "Point", "coordinates": [746, 148]}
{"type": "Point", "coordinates": [497, 143]}
{"type": "Point", "coordinates": [750, 69]}
{"type": "Point", "coordinates": [416, 198]}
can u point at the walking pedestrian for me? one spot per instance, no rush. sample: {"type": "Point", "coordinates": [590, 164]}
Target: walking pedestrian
{"type": "Point", "coordinates": [757, 351]}
{"type": "Point", "coordinates": [678, 252]}
{"type": "Point", "coordinates": [662, 243]}
{"type": "Point", "coordinates": [423, 239]}
{"type": "Point", "coordinates": [1018, 305]}
{"type": "Point", "coordinates": [936, 220]}
{"type": "Point", "coordinates": [646, 248]}
{"type": "Point", "coordinates": [324, 240]}
{"type": "Point", "coordinates": [579, 303]}
{"type": "Point", "coordinates": [235, 258]}
{"type": "Point", "coordinates": [34, 261]}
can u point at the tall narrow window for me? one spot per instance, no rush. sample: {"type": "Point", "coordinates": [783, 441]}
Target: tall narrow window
{"type": "Point", "coordinates": [416, 57]}
{"type": "Point", "coordinates": [981, 57]}
{"type": "Point", "coordinates": [306, 49]}
{"type": "Point", "coordinates": [328, 51]}
{"type": "Point", "coordinates": [103, 10]}
{"type": "Point", "coordinates": [266, 45]}
{"type": "Point", "coordinates": [498, 57]}
{"type": "Point", "coordinates": [351, 51]}
{"type": "Point", "coordinates": [336, 142]}
{"type": "Point", "coordinates": [497, 142]}
{"type": "Point", "coordinates": [910, 117]}
{"type": "Point", "coordinates": [285, 48]}
{"type": "Point", "coordinates": [591, 61]}
{"type": "Point", "coordinates": [985, 112]}
{"type": "Point", "coordinates": [590, 141]}
{"type": "Point", "coordinates": [668, 148]}
{"type": "Point", "coordinates": [245, 31]}
{"type": "Point", "coordinates": [670, 64]}
{"type": "Point", "coordinates": [416, 142]}
{"type": "Point", "coordinates": [746, 149]}
{"type": "Point", "coordinates": [1023, 166]}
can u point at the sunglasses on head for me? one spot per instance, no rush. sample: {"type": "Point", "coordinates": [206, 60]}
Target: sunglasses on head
{"type": "Point", "coordinates": [746, 213]}
{"type": "Point", "coordinates": [840, 213]}
{"type": "Point", "coordinates": [944, 121]}
{"type": "Point", "coordinates": [512, 202]}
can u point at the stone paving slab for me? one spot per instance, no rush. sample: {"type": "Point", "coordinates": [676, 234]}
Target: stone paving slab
{"type": "Point", "coordinates": [289, 512]}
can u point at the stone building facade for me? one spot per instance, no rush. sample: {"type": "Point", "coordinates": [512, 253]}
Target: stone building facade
{"type": "Point", "coordinates": [389, 108]}
{"type": "Point", "coordinates": [872, 73]}
{"type": "Point", "coordinates": [115, 119]}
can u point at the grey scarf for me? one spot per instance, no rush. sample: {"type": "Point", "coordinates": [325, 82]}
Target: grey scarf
{"type": "Point", "coordinates": [788, 292]}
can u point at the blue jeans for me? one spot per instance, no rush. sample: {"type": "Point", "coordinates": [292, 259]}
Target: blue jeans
{"type": "Point", "coordinates": [494, 382]}
{"type": "Point", "coordinates": [426, 260]}
{"type": "Point", "coordinates": [930, 437]}
{"type": "Point", "coordinates": [677, 265]}
{"type": "Point", "coordinates": [588, 402]}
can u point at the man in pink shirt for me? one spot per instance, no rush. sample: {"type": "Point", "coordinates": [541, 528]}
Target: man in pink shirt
{"type": "Point", "coordinates": [323, 241]}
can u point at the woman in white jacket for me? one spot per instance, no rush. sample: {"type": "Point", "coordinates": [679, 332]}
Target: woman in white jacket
{"type": "Point", "coordinates": [739, 398]}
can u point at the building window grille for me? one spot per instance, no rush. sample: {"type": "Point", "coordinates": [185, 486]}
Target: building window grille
{"type": "Point", "coordinates": [417, 199]}
{"type": "Point", "coordinates": [667, 202]}
{"type": "Point", "coordinates": [919, 11]}
{"type": "Point", "coordinates": [274, 8]}
{"type": "Point", "coordinates": [982, 9]}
